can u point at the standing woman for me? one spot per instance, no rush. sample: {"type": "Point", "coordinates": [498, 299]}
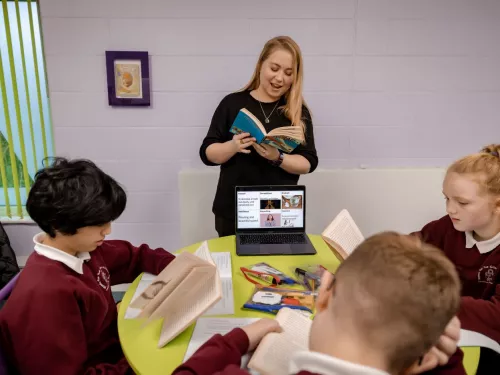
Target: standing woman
{"type": "Point", "coordinates": [274, 96]}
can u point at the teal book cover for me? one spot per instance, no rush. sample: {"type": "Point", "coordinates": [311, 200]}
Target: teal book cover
{"type": "Point", "coordinates": [245, 122]}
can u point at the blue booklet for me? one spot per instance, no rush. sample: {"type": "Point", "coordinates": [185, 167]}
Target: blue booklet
{"type": "Point", "coordinates": [285, 138]}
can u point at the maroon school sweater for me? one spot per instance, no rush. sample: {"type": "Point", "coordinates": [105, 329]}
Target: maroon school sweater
{"type": "Point", "coordinates": [58, 321]}
{"type": "Point", "coordinates": [480, 304]}
{"type": "Point", "coordinates": [221, 355]}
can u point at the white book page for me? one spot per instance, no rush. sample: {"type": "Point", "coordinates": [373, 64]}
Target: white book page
{"type": "Point", "coordinates": [185, 262]}
{"type": "Point", "coordinates": [207, 327]}
{"type": "Point", "coordinates": [471, 338]}
{"type": "Point", "coordinates": [344, 232]}
{"type": "Point", "coordinates": [166, 281]}
{"type": "Point", "coordinates": [276, 349]}
{"type": "Point", "coordinates": [200, 291]}
{"type": "Point", "coordinates": [226, 305]}
{"type": "Point", "coordinates": [203, 252]}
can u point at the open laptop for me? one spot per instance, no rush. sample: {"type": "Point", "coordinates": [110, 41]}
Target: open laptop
{"type": "Point", "coordinates": [271, 220]}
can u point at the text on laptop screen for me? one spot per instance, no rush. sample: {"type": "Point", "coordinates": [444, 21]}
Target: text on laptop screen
{"type": "Point", "coordinates": [270, 209]}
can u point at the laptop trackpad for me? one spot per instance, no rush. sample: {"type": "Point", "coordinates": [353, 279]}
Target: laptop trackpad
{"type": "Point", "coordinates": [275, 249]}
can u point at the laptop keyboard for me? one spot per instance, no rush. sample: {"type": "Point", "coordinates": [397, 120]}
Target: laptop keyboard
{"type": "Point", "coordinates": [273, 238]}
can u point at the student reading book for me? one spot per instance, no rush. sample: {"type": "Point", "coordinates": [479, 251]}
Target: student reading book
{"type": "Point", "coordinates": [182, 292]}
{"type": "Point", "coordinates": [61, 317]}
{"type": "Point", "coordinates": [342, 235]}
{"type": "Point", "coordinates": [285, 138]}
{"type": "Point", "coordinates": [388, 305]}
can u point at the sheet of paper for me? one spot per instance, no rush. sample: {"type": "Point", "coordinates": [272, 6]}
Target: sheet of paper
{"type": "Point", "coordinates": [207, 327]}
{"type": "Point", "coordinates": [226, 305]}
{"type": "Point", "coordinates": [470, 338]}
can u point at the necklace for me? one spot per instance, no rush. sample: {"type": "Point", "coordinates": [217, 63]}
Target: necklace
{"type": "Point", "coordinates": [264, 113]}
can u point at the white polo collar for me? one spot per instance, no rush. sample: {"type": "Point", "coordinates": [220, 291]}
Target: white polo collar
{"type": "Point", "coordinates": [324, 364]}
{"type": "Point", "coordinates": [73, 262]}
{"type": "Point", "coordinates": [483, 246]}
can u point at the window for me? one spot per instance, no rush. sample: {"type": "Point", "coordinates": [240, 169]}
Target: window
{"type": "Point", "coordinates": [25, 124]}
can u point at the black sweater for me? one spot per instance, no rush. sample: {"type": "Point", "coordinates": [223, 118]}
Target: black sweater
{"type": "Point", "coordinates": [250, 169]}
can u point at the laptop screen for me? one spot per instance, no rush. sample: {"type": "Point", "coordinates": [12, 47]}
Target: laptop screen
{"type": "Point", "coordinates": [269, 208]}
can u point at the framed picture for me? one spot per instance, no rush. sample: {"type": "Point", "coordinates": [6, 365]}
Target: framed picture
{"type": "Point", "coordinates": [128, 78]}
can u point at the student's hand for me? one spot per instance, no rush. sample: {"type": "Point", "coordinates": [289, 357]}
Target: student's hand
{"type": "Point", "coordinates": [266, 151]}
{"type": "Point", "coordinates": [440, 354]}
{"type": "Point", "coordinates": [242, 141]}
{"type": "Point", "coordinates": [256, 331]}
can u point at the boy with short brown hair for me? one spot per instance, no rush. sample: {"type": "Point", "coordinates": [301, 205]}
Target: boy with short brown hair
{"type": "Point", "coordinates": [387, 306]}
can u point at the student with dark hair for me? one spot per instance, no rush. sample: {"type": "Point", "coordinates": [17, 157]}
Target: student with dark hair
{"type": "Point", "coordinates": [61, 317]}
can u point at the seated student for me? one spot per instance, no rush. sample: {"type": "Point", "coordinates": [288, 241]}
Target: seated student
{"type": "Point", "coordinates": [388, 304]}
{"type": "Point", "coordinates": [469, 235]}
{"type": "Point", "coordinates": [61, 317]}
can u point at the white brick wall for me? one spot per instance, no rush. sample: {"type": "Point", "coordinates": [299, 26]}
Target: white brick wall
{"type": "Point", "coordinates": [390, 82]}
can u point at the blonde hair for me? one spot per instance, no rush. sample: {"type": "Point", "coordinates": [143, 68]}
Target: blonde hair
{"type": "Point", "coordinates": [294, 99]}
{"type": "Point", "coordinates": [486, 164]}
{"type": "Point", "coordinates": [399, 293]}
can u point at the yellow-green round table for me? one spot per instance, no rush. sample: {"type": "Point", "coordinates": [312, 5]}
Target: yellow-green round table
{"type": "Point", "coordinates": [139, 342]}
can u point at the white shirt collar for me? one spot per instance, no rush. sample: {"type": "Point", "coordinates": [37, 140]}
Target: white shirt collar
{"type": "Point", "coordinates": [73, 262]}
{"type": "Point", "coordinates": [483, 246]}
{"type": "Point", "coordinates": [324, 364]}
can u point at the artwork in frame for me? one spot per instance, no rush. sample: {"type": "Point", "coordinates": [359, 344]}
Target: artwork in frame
{"type": "Point", "coordinates": [128, 78]}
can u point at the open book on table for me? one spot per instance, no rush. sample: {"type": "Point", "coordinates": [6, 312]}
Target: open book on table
{"type": "Point", "coordinates": [285, 138]}
{"type": "Point", "coordinates": [273, 354]}
{"type": "Point", "coordinates": [342, 235]}
{"type": "Point", "coordinates": [183, 291]}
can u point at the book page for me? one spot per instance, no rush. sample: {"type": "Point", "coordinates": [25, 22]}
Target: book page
{"type": "Point", "coordinates": [200, 290]}
{"type": "Point", "coordinates": [276, 349]}
{"type": "Point", "coordinates": [166, 281]}
{"type": "Point", "coordinates": [471, 338]}
{"type": "Point", "coordinates": [226, 305]}
{"type": "Point", "coordinates": [294, 132]}
{"type": "Point", "coordinates": [344, 232]}
{"type": "Point", "coordinates": [207, 327]}
{"type": "Point", "coordinates": [203, 252]}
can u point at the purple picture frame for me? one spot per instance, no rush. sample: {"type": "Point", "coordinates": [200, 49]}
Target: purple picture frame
{"type": "Point", "coordinates": [129, 83]}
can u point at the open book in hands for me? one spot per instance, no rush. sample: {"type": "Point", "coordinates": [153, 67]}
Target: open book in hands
{"type": "Point", "coordinates": [342, 235]}
{"type": "Point", "coordinates": [182, 292]}
{"type": "Point", "coordinates": [274, 352]}
{"type": "Point", "coordinates": [285, 138]}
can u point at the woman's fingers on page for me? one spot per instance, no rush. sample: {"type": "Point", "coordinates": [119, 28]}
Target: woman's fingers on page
{"type": "Point", "coordinates": [247, 142]}
{"type": "Point", "coordinates": [257, 330]}
{"type": "Point", "coordinates": [260, 150]}
{"type": "Point", "coordinates": [241, 136]}
{"type": "Point", "coordinates": [242, 142]}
